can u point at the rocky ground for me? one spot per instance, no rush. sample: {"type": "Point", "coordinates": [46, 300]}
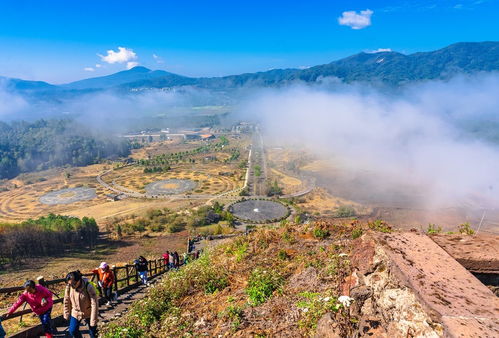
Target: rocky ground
{"type": "Point", "coordinates": [317, 280]}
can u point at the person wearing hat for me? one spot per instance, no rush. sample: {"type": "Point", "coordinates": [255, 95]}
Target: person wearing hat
{"type": "Point", "coordinates": [80, 303]}
{"type": "Point", "coordinates": [39, 299]}
{"type": "Point", "coordinates": [106, 280]}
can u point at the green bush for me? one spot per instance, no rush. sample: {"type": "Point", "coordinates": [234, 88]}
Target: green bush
{"type": "Point", "coordinates": [116, 331]}
{"type": "Point", "coordinates": [215, 284]}
{"type": "Point", "coordinates": [379, 225]}
{"type": "Point", "coordinates": [356, 232]}
{"type": "Point", "coordinates": [200, 275]}
{"type": "Point", "coordinates": [235, 314]}
{"type": "Point", "coordinates": [261, 285]}
{"type": "Point", "coordinates": [283, 255]}
{"type": "Point", "coordinates": [157, 227]}
{"type": "Point", "coordinates": [465, 228]}
{"type": "Point", "coordinates": [320, 233]}
{"type": "Point", "coordinates": [314, 306]}
{"type": "Point", "coordinates": [345, 211]}
{"type": "Point", "coordinates": [433, 229]}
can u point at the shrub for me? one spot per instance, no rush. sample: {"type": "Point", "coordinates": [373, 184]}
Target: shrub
{"type": "Point", "coordinates": [235, 314]}
{"type": "Point", "coordinates": [465, 228]}
{"type": "Point", "coordinates": [216, 284]}
{"type": "Point", "coordinates": [314, 306]}
{"type": "Point", "coordinates": [261, 285]}
{"type": "Point", "coordinates": [379, 225]}
{"type": "Point", "coordinates": [283, 255]}
{"type": "Point", "coordinates": [320, 233]}
{"type": "Point", "coordinates": [433, 229]}
{"type": "Point", "coordinates": [157, 227]}
{"type": "Point", "coordinates": [116, 331]}
{"type": "Point", "coordinates": [238, 248]}
{"type": "Point", "coordinates": [288, 237]}
{"type": "Point", "coordinates": [345, 211]}
{"type": "Point", "coordinates": [357, 232]}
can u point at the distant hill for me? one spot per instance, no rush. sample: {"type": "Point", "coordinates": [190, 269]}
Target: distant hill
{"type": "Point", "coordinates": [396, 68]}
{"type": "Point", "coordinates": [139, 75]}
{"type": "Point", "coordinates": [18, 84]}
{"type": "Point", "coordinates": [390, 68]}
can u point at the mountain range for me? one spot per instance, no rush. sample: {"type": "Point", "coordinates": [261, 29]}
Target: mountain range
{"type": "Point", "coordinates": [388, 67]}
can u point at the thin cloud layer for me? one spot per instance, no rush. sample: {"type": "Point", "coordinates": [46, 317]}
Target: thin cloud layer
{"type": "Point", "coordinates": [11, 105]}
{"type": "Point", "coordinates": [416, 138]}
{"type": "Point", "coordinates": [356, 20]}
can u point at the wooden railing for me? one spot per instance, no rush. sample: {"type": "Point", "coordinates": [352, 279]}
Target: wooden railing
{"type": "Point", "coordinates": [122, 274]}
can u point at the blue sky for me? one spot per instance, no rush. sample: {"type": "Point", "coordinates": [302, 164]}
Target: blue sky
{"type": "Point", "coordinates": [56, 41]}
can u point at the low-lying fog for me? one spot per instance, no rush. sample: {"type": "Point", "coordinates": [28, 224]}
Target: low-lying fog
{"type": "Point", "coordinates": [426, 145]}
{"type": "Point", "coordinates": [432, 144]}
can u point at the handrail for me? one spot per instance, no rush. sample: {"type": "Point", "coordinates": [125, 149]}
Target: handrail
{"type": "Point", "coordinates": [157, 266]}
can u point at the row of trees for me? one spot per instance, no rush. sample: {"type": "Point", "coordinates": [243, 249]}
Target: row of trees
{"type": "Point", "coordinates": [159, 220]}
{"type": "Point", "coordinates": [46, 236]}
{"type": "Point", "coordinates": [184, 156]}
{"type": "Point", "coordinates": [26, 147]}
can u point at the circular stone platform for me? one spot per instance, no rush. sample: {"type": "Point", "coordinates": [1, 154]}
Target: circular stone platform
{"type": "Point", "coordinates": [170, 187]}
{"type": "Point", "coordinates": [259, 210]}
{"type": "Point", "coordinates": [68, 196]}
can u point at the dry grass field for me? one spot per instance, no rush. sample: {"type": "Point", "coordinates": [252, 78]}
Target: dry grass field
{"type": "Point", "coordinates": [21, 203]}
{"type": "Point", "coordinates": [19, 198]}
{"type": "Point", "coordinates": [320, 202]}
{"type": "Point", "coordinates": [206, 175]}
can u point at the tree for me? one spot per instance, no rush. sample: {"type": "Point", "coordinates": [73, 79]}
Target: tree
{"type": "Point", "coordinates": [274, 189]}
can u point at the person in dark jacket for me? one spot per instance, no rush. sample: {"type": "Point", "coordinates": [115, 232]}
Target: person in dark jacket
{"type": "Point", "coordinates": [177, 260]}
{"type": "Point", "coordinates": [142, 266]}
{"type": "Point", "coordinates": [2, 331]}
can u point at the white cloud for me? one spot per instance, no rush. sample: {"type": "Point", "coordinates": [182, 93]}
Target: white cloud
{"type": "Point", "coordinates": [121, 56]}
{"type": "Point", "coordinates": [409, 140]}
{"type": "Point", "coordinates": [11, 105]}
{"type": "Point", "coordinates": [356, 20]}
{"type": "Point", "coordinates": [88, 69]}
{"type": "Point", "coordinates": [98, 65]}
{"type": "Point", "coordinates": [379, 50]}
{"type": "Point", "coordinates": [158, 58]}
{"type": "Point", "coordinates": [131, 64]}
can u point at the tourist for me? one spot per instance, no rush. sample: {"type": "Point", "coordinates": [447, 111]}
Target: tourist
{"type": "Point", "coordinates": [105, 281]}
{"type": "Point", "coordinates": [171, 260]}
{"type": "Point", "coordinates": [166, 257]}
{"type": "Point", "coordinates": [40, 301]}
{"type": "Point", "coordinates": [176, 260]}
{"type": "Point", "coordinates": [80, 303]}
{"type": "Point", "coordinates": [2, 331]}
{"type": "Point", "coordinates": [142, 267]}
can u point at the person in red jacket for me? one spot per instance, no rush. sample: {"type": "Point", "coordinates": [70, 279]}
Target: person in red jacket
{"type": "Point", "coordinates": [106, 280]}
{"type": "Point", "coordinates": [40, 301]}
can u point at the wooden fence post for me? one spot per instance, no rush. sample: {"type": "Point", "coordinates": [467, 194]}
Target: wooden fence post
{"type": "Point", "coordinates": [115, 272]}
{"type": "Point", "coordinates": [127, 276]}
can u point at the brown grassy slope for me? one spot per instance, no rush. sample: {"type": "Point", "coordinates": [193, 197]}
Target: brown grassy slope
{"type": "Point", "coordinates": [305, 264]}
